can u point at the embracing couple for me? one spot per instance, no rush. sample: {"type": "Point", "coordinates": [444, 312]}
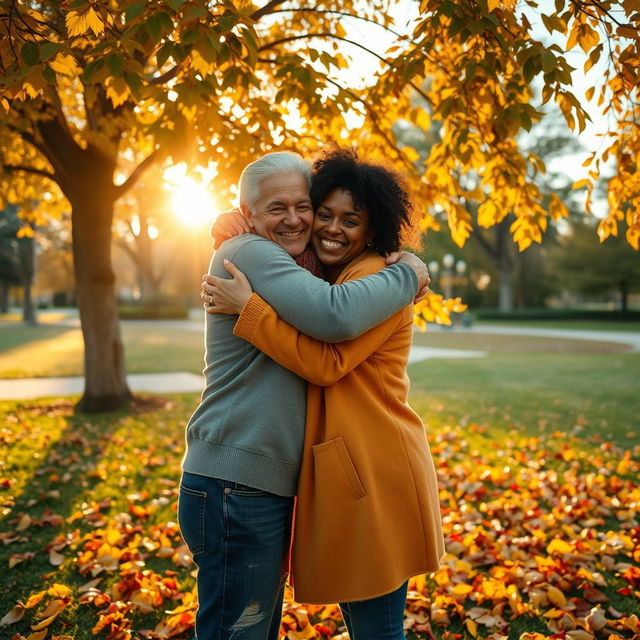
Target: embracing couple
{"type": "Point", "coordinates": [307, 340]}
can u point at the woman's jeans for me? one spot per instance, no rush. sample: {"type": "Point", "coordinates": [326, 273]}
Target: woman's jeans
{"type": "Point", "coordinates": [239, 538]}
{"type": "Point", "coordinates": [379, 618]}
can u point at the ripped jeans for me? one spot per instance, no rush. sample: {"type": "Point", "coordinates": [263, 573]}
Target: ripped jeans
{"type": "Point", "coordinates": [239, 537]}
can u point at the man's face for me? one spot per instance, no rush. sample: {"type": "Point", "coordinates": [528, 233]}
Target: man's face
{"type": "Point", "coordinates": [283, 214]}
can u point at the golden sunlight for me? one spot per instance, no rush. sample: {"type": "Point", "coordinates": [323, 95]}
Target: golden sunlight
{"type": "Point", "coordinates": [191, 201]}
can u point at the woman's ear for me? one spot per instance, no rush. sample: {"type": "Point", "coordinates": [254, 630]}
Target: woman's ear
{"type": "Point", "coordinates": [369, 238]}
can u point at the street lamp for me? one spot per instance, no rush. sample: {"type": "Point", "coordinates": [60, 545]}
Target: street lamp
{"type": "Point", "coordinates": [447, 275]}
{"type": "Point", "coordinates": [452, 272]}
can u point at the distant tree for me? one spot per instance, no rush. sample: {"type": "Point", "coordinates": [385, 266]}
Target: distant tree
{"type": "Point", "coordinates": [18, 260]}
{"type": "Point", "coordinates": [592, 268]}
{"type": "Point", "coordinates": [55, 260]}
{"type": "Point", "coordinates": [140, 217]}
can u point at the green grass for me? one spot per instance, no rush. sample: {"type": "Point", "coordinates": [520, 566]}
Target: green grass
{"type": "Point", "coordinates": [585, 325]}
{"type": "Point", "coordinates": [45, 351]}
{"type": "Point", "coordinates": [53, 350]}
{"type": "Point", "coordinates": [595, 395]}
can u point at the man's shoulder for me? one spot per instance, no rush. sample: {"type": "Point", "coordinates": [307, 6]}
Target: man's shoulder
{"type": "Point", "coordinates": [232, 245]}
{"type": "Point", "coordinates": [247, 245]}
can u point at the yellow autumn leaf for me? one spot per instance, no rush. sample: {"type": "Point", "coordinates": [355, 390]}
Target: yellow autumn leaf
{"type": "Point", "coordinates": [462, 589]}
{"type": "Point", "coordinates": [556, 597]}
{"type": "Point", "coordinates": [76, 23]}
{"type": "Point", "coordinates": [410, 154]}
{"type": "Point", "coordinates": [34, 599]}
{"type": "Point", "coordinates": [94, 22]}
{"type": "Point", "coordinates": [560, 546]}
{"type": "Point", "coordinates": [59, 591]}
{"type": "Point", "coordinates": [487, 214]}
{"type": "Point", "coordinates": [423, 119]}
{"type": "Point", "coordinates": [64, 64]}
{"type": "Point", "coordinates": [471, 626]}
{"type": "Point", "coordinates": [623, 465]}
{"type": "Point", "coordinates": [587, 37]}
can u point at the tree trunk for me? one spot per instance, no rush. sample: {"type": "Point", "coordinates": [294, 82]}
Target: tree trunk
{"type": "Point", "coordinates": [505, 287]}
{"type": "Point", "coordinates": [4, 297]}
{"type": "Point", "coordinates": [105, 378]}
{"type": "Point", "coordinates": [28, 259]}
{"type": "Point", "coordinates": [624, 297]}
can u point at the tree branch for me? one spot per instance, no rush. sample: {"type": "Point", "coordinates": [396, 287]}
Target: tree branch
{"type": "Point", "coordinates": [270, 45]}
{"type": "Point", "coordinates": [39, 172]}
{"type": "Point", "coordinates": [165, 77]}
{"type": "Point", "coordinates": [595, 3]}
{"type": "Point", "coordinates": [339, 13]}
{"type": "Point", "coordinates": [138, 171]}
{"type": "Point", "coordinates": [256, 15]}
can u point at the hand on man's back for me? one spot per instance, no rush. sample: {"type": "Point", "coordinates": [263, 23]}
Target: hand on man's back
{"type": "Point", "coordinates": [418, 266]}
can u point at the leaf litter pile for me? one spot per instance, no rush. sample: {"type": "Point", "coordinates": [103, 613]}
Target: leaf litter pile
{"type": "Point", "coordinates": [543, 533]}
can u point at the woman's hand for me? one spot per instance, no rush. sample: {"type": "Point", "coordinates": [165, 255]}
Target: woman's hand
{"type": "Point", "coordinates": [424, 280]}
{"type": "Point", "coordinates": [227, 225]}
{"type": "Point", "coordinates": [221, 295]}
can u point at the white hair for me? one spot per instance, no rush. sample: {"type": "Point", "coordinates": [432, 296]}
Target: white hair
{"type": "Point", "coordinates": [249, 187]}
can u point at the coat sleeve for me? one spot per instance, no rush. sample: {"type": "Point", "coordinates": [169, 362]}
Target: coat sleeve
{"type": "Point", "coordinates": [332, 313]}
{"type": "Point", "coordinates": [320, 363]}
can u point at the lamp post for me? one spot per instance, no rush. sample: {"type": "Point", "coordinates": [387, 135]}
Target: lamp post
{"type": "Point", "coordinates": [433, 267]}
{"type": "Point", "coordinates": [452, 272]}
{"type": "Point", "coordinates": [447, 274]}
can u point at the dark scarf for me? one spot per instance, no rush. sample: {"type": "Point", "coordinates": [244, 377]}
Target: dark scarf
{"type": "Point", "coordinates": [309, 260]}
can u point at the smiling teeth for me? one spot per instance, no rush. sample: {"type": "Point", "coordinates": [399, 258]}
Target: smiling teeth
{"type": "Point", "coordinates": [331, 245]}
{"type": "Point", "coordinates": [290, 234]}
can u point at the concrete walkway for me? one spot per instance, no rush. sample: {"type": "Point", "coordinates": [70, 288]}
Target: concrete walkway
{"type": "Point", "coordinates": [175, 382]}
{"type": "Point", "coordinates": [631, 338]}
{"type": "Point", "coordinates": [25, 388]}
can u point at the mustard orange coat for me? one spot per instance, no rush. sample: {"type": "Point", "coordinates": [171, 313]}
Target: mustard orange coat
{"type": "Point", "coordinates": [367, 513]}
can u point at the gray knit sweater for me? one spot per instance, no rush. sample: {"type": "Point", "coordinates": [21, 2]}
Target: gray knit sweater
{"type": "Point", "coordinates": [249, 426]}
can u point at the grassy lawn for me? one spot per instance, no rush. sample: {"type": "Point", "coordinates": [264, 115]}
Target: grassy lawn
{"type": "Point", "coordinates": [54, 350]}
{"type": "Point", "coordinates": [586, 325]}
{"type": "Point", "coordinates": [538, 456]}
{"type": "Point", "coordinates": [57, 350]}
{"type": "Point", "coordinates": [594, 395]}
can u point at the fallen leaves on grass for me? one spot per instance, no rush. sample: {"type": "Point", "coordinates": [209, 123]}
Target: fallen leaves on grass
{"type": "Point", "coordinates": [537, 531]}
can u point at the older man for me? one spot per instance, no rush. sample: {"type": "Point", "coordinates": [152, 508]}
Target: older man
{"type": "Point", "coordinates": [244, 441]}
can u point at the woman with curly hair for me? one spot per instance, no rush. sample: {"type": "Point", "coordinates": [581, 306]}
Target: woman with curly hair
{"type": "Point", "coordinates": [367, 514]}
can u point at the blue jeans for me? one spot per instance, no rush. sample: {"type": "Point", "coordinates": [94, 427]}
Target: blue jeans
{"type": "Point", "coordinates": [379, 618]}
{"type": "Point", "coordinates": [239, 538]}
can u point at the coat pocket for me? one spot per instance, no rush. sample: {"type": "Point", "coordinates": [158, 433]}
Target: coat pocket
{"type": "Point", "coordinates": [332, 460]}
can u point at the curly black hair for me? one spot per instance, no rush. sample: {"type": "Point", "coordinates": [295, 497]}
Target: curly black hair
{"type": "Point", "coordinates": [373, 187]}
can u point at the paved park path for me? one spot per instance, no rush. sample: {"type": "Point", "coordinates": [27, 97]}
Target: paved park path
{"type": "Point", "coordinates": [182, 381]}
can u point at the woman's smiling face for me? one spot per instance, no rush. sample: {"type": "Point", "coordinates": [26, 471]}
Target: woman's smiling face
{"type": "Point", "coordinates": [340, 231]}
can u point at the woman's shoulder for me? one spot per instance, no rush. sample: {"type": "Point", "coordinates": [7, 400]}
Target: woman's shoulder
{"type": "Point", "coordinates": [364, 265]}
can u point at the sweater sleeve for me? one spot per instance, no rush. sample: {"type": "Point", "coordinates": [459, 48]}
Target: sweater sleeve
{"type": "Point", "coordinates": [332, 313]}
{"type": "Point", "coordinates": [318, 362]}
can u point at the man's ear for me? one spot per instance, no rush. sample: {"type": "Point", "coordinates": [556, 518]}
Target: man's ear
{"type": "Point", "coordinates": [246, 212]}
